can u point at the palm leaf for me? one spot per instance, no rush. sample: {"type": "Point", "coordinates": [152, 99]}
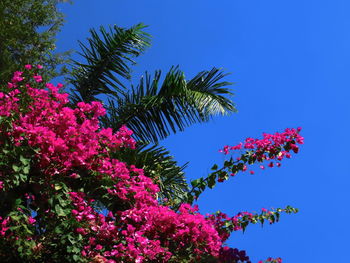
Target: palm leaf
{"type": "Point", "coordinates": [108, 56]}
{"type": "Point", "coordinates": [153, 111]}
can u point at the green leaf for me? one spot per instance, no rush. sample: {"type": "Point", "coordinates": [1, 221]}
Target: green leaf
{"type": "Point", "coordinates": [24, 161]}
{"type": "Point", "coordinates": [72, 239]}
{"type": "Point", "coordinates": [228, 224]}
{"type": "Point", "coordinates": [76, 257]}
{"type": "Point", "coordinates": [58, 230]}
{"type": "Point", "coordinates": [26, 169]}
{"type": "Point", "coordinates": [262, 220]}
{"type": "Point", "coordinates": [5, 151]}
{"type": "Point", "coordinates": [228, 164]}
{"type": "Point", "coordinates": [16, 218]}
{"type": "Point", "coordinates": [215, 167]}
{"type": "Point", "coordinates": [212, 182]}
{"type": "Point", "coordinates": [59, 210]}
{"type": "Point", "coordinates": [195, 183]}
{"type": "Point", "coordinates": [76, 250]}
{"type": "Point", "coordinates": [16, 168]}
{"type": "Point", "coordinates": [240, 166]}
{"type": "Point", "coordinates": [18, 201]}
{"type": "Point", "coordinates": [202, 185]}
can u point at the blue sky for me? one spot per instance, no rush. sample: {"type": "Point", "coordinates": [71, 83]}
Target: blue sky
{"type": "Point", "coordinates": [290, 61]}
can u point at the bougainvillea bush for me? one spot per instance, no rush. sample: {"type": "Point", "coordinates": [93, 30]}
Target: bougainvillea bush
{"type": "Point", "coordinates": [66, 198]}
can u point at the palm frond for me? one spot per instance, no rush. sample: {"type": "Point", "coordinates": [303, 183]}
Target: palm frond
{"type": "Point", "coordinates": [153, 110]}
{"type": "Point", "coordinates": [159, 165]}
{"type": "Point", "coordinates": [108, 57]}
{"type": "Point", "coordinates": [207, 92]}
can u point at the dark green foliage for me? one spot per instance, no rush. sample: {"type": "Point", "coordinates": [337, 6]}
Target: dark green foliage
{"type": "Point", "coordinates": [27, 36]}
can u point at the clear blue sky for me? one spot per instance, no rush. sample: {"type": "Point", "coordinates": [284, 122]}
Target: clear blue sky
{"type": "Point", "coordinates": [291, 64]}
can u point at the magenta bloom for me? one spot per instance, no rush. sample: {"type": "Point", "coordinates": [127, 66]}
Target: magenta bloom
{"type": "Point", "coordinates": [38, 78]}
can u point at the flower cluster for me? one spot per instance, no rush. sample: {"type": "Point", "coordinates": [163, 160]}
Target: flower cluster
{"type": "Point", "coordinates": [272, 148]}
{"type": "Point", "coordinates": [66, 137]}
{"type": "Point", "coordinates": [143, 234]}
{"type": "Point", "coordinates": [109, 241]}
{"type": "Point", "coordinates": [4, 225]}
{"type": "Point", "coordinates": [65, 197]}
{"type": "Point", "coordinates": [66, 168]}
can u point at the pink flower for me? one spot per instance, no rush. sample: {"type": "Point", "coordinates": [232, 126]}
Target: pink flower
{"type": "Point", "coordinates": [81, 231]}
{"type": "Point", "coordinates": [38, 78]}
{"type": "Point", "coordinates": [31, 220]}
{"type": "Point", "coordinates": [98, 247]}
{"type": "Point", "coordinates": [17, 77]}
{"type": "Point", "coordinates": [74, 176]}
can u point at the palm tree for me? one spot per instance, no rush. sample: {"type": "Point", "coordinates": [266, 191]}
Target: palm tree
{"type": "Point", "coordinates": [154, 108]}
